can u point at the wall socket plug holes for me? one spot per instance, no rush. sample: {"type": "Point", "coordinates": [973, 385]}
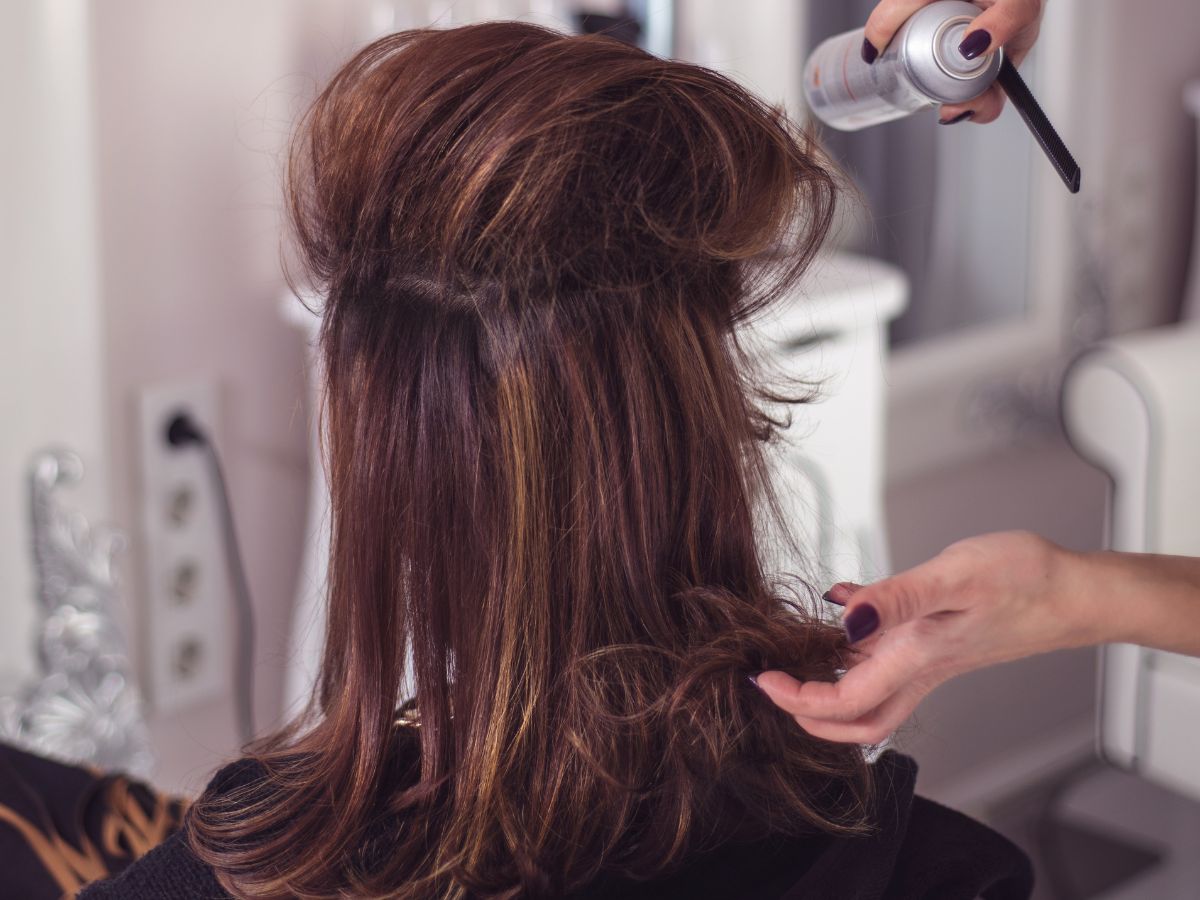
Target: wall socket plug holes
{"type": "Point", "coordinates": [189, 631]}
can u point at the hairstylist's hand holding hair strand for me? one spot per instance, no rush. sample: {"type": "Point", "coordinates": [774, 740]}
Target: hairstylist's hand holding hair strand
{"type": "Point", "coordinates": [982, 601]}
{"type": "Point", "coordinates": [1011, 24]}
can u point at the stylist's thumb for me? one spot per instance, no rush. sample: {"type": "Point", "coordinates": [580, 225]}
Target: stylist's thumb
{"type": "Point", "coordinates": [885, 604]}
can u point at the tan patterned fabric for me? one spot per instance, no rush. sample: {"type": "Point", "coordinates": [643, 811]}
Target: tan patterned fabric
{"type": "Point", "coordinates": [62, 826]}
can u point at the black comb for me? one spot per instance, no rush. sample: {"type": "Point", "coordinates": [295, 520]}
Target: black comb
{"type": "Point", "coordinates": [1022, 99]}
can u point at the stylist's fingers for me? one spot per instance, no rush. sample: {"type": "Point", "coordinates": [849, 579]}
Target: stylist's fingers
{"type": "Point", "coordinates": [998, 25]}
{"type": "Point", "coordinates": [885, 19]}
{"type": "Point", "coordinates": [913, 594]}
{"type": "Point", "coordinates": [983, 109]}
{"type": "Point", "coordinates": [841, 592]}
{"type": "Point", "coordinates": [1011, 24]}
{"type": "Point", "coordinates": [872, 727]}
{"type": "Point", "coordinates": [863, 688]}
{"type": "Point", "coordinates": [1002, 22]}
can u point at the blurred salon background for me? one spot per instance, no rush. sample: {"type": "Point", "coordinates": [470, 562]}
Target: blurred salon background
{"type": "Point", "coordinates": [995, 353]}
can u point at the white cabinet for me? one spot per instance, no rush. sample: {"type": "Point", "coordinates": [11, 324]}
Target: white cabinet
{"type": "Point", "coordinates": [830, 471]}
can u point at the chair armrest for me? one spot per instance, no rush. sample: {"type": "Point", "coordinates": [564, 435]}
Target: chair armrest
{"type": "Point", "coordinates": [1132, 407]}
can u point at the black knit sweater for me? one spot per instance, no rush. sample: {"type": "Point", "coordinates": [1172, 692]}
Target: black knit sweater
{"type": "Point", "coordinates": [920, 850]}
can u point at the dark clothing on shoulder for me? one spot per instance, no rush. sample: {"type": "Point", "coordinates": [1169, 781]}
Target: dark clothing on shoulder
{"type": "Point", "coordinates": [920, 850]}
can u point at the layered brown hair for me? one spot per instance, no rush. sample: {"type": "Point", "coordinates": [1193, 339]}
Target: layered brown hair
{"type": "Point", "coordinates": [545, 447]}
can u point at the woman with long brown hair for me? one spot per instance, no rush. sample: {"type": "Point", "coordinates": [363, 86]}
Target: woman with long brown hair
{"type": "Point", "coordinates": [545, 446]}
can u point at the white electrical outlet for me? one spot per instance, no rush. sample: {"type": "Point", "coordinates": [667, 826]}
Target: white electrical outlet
{"type": "Point", "coordinates": [187, 578]}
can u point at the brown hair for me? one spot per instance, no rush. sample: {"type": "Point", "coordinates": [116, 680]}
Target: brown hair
{"type": "Point", "coordinates": [545, 452]}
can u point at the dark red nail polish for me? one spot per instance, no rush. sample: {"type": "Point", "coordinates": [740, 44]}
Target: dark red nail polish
{"type": "Point", "coordinates": [962, 116]}
{"type": "Point", "coordinates": [829, 598]}
{"type": "Point", "coordinates": [869, 53]}
{"type": "Point", "coordinates": [860, 622]}
{"type": "Point", "coordinates": [975, 43]}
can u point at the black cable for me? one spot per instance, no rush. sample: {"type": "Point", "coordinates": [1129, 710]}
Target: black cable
{"type": "Point", "coordinates": [181, 432]}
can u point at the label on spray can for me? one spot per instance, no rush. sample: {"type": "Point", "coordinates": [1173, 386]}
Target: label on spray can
{"type": "Point", "coordinates": [920, 67]}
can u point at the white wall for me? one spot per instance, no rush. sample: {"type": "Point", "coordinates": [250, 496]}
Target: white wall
{"type": "Point", "coordinates": [758, 42]}
{"type": "Point", "coordinates": [195, 103]}
{"type": "Point", "coordinates": [51, 366]}
{"type": "Point", "coordinates": [1142, 55]}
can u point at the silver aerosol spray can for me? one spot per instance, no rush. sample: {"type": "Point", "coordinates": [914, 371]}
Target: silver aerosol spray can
{"type": "Point", "coordinates": [921, 67]}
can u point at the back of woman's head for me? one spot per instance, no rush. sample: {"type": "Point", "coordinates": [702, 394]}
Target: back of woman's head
{"type": "Point", "coordinates": [545, 460]}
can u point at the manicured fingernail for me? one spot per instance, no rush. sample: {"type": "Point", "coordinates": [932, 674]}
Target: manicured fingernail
{"type": "Point", "coordinates": [870, 54]}
{"type": "Point", "coordinates": [975, 43]}
{"type": "Point", "coordinates": [829, 598]}
{"type": "Point", "coordinates": [962, 116]}
{"type": "Point", "coordinates": [753, 677]}
{"type": "Point", "coordinates": [860, 622]}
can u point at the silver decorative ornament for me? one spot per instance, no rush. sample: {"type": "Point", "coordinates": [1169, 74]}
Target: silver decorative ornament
{"type": "Point", "coordinates": [85, 707]}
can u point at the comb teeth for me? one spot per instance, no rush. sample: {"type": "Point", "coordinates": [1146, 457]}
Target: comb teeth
{"type": "Point", "coordinates": [1027, 106]}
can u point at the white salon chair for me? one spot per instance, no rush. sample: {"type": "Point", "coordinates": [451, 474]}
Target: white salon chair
{"type": "Point", "coordinates": [1132, 407]}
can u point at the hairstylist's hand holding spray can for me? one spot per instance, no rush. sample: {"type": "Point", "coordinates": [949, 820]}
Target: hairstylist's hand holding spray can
{"type": "Point", "coordinates": [920, 54]}
{"type": "Point", "coordinates": [982, 601]}
{"type": "Point", "coordinates": [1011, 24]}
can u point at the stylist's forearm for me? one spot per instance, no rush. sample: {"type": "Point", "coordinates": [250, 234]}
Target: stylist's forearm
{"type": "Point", "coordinates": [1142, 598]}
